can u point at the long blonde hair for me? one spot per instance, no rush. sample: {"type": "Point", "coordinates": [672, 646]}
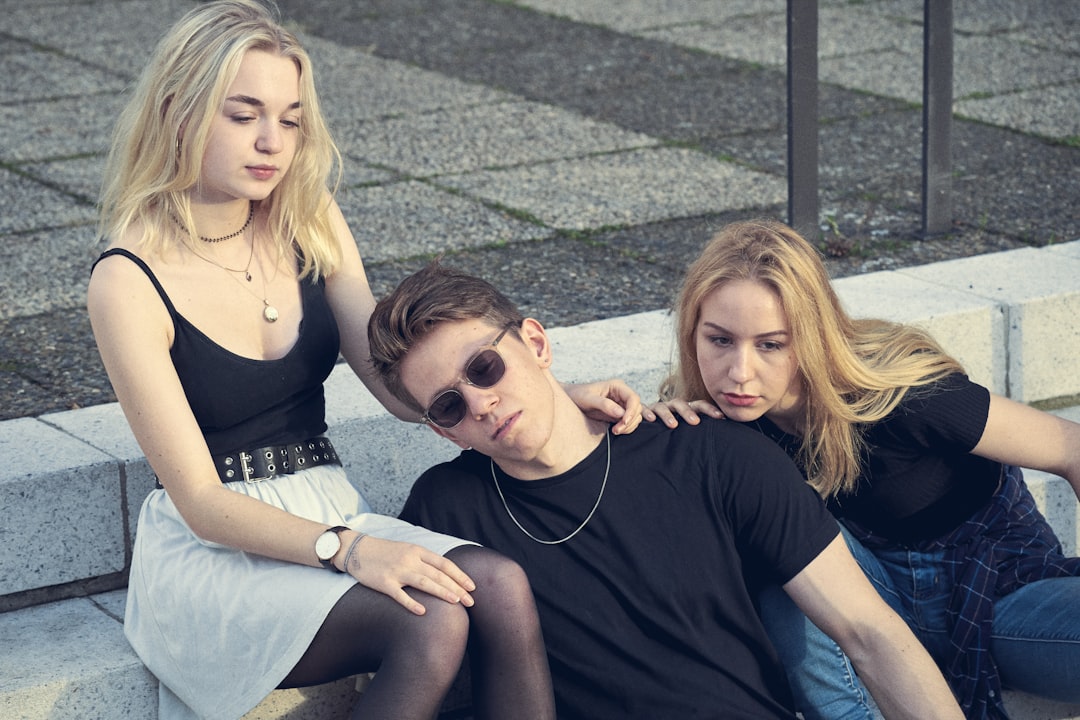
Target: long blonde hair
{"type": "Point", "coordinates": [150, 169]}
{"type": "Point", "coordinates": [853, 372]}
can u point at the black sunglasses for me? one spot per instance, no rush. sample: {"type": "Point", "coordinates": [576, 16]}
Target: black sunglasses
{"type": "Point", "coordinates": [483, 370]}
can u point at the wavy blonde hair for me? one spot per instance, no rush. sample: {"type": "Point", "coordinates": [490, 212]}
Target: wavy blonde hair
{"type": "Point", "coordinates": [853, 372]}
{"type": "Point", "coordinates": [150, 170]}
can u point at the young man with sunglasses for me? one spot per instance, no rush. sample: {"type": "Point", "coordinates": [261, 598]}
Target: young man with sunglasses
{"type": "Point", "coordinates": [643, 550]}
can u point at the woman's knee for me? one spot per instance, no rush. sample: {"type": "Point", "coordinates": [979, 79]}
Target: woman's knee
{"type": "Point", "coordinates": [442, 620]}
{"type": "Point", "coordinates": [495, 574]}
{"type": "Point", "coordinates": [393, 631]}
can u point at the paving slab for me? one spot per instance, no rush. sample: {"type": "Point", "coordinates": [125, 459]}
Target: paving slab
{"type": "Point", "coordinates": [637, 15]}
{"type": "Point", "coordinates": [117, 35]}
{"type": "Point", "coordinates": [638, 348]}
{"type": "Point", "coordinates": [414, 218]}
{"type": "Point", "coordinates": [10, 45]}
{"type": "Point", "coordinates": [355, 173]}
{"type": "Point", "coordinates": [762, 37]}
{"type": "Point", "coordinates": [620, 189]}
{"type": "Point", "coordinates": [605, 275]}
{"type": "Point", "coordinates": [78, 177]}
{"type": "Point", "coordinates": [30, 206]}
{"type": "Point", "coordinates": [876, 49]}
{"type": "Point", "coordinates": [46, 270]}
{"type": "Point", "coordinates": [1047, 111]}
{"type": "Point", "coordinates": [36, 75]}
{"type": "Point", "coordinates": [64, 128]}
{"type": "Point", "coordinates": [358, 85]}
{"type": "Point", "coordinates": [996, 64]}
{"type": "Point", "coordinates": [72, 661]}
{"type": "Point", "coordinates": [989, 158]}
{"type": "Point", "coordinates": [1061, 34]}
{"type": "Point", "coordinates": [473, 138]}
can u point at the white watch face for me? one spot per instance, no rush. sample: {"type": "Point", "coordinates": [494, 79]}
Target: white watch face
{"type": "Point", "coordinates": [327, 545]}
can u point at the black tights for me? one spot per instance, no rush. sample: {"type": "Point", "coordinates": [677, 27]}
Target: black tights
{"type": "Point", "coordinates": [418, 656]}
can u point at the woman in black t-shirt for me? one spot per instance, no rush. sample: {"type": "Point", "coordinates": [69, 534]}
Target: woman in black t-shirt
{"type": "Point", "coordinates": [919, 464]}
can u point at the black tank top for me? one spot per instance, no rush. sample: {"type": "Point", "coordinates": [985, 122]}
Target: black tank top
{"type": "Point", "coordinates": [241, 403]}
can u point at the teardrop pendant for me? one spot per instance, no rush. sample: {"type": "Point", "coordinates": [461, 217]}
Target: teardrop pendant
{"type": "Point", "coordinates": [270, 313]}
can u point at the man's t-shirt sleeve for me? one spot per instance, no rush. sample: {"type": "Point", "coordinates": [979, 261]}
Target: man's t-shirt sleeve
{"type": "Point", "coordinates": [446, 498]}
{"type": "Point", "coordinates": [779, 520]}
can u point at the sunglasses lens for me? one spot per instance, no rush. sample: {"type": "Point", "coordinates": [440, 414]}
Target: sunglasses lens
{"type": "Point", "coordinates": [483, 371]}
{"type": "Point", "coordinates": [447, 410]}
{"type": "Point", "coordinates": [486, 369]}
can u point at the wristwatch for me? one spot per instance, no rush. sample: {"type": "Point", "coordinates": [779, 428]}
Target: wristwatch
{"type": "Point", "coordinates": [327, 546]}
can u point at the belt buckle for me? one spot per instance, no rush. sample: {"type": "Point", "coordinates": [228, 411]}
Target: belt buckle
{"type": "Point", "coordinates": [247, 471]}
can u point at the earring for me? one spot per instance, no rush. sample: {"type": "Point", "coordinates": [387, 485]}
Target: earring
{"type": "Point", "coordinates": [179, 145]}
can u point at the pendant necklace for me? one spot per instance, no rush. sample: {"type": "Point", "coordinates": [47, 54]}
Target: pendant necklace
{"type": "Point", "coordinates": [607, 436]}
{"type": "Point", "coordinates": [269, 312]}
{"type": "Point", "coordinates": [246, 269]}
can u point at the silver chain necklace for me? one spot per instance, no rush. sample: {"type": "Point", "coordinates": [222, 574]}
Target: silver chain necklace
{"type": "Point", "coordinates": [269, 312]}
{"type": "Point", "coordinates": [607, 436]}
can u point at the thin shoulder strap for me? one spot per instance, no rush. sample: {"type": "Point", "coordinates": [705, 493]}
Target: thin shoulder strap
{"type": "Point", "coordinates": [144, 267]}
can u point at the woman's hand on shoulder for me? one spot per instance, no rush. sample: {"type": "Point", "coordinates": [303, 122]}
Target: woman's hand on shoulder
{"type": "Point", "coordinates": [669, 411]}
{"type": "Point", "coordinates": [608, 400]}
{"type": "Point", "coordinates": [390, 566]}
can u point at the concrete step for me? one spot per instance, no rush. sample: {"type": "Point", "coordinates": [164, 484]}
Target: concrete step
{"type": "Point", "coordinates": [70, 503]}
{"type": "Point", "coordinates": [69, 659]}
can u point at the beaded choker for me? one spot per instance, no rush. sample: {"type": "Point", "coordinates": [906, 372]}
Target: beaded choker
{"type": "Point", "coordinates": [223, 238]}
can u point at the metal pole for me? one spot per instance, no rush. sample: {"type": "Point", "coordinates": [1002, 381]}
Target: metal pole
{"type": "Point", "coordinates": [937, 207]}
{"type": "Point", "coordinates": [802, 117]}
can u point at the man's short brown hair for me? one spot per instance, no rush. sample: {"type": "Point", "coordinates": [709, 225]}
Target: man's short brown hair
{"type": "Point", "coordinates": [420, 303]}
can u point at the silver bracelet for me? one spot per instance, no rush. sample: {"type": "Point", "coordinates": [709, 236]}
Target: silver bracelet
{"type": "Point", "coordinates": [348, 554]}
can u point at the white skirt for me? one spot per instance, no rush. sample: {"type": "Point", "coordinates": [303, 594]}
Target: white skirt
{"type": "Point", "coordinates": [221, 628]}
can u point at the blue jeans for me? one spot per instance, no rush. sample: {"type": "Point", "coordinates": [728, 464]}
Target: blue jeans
{"type": "Point", "coordinates": [1036, 634]}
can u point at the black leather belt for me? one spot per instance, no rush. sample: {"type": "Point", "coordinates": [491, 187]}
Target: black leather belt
{"type": "Point", "coordinates": [268, 462]}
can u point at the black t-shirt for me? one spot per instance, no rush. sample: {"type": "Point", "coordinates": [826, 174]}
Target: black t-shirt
{"type": "Point", "coordinates": [919, 479]}
{"type": "Point", "coordinates": [647, 611]}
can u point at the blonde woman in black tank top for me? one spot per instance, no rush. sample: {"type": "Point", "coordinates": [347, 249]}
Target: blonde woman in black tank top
{"type": "Point", "coordinates": [230, 285]}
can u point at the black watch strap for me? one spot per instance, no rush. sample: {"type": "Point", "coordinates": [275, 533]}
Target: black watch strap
{"type": "Point", "coordinates": [329, 562]}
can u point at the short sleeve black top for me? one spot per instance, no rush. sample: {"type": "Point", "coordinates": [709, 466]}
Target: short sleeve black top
{"type": "Point", "coordinates": [919, 478]}
{"type": "Point", "coordinates": [648, 612]}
